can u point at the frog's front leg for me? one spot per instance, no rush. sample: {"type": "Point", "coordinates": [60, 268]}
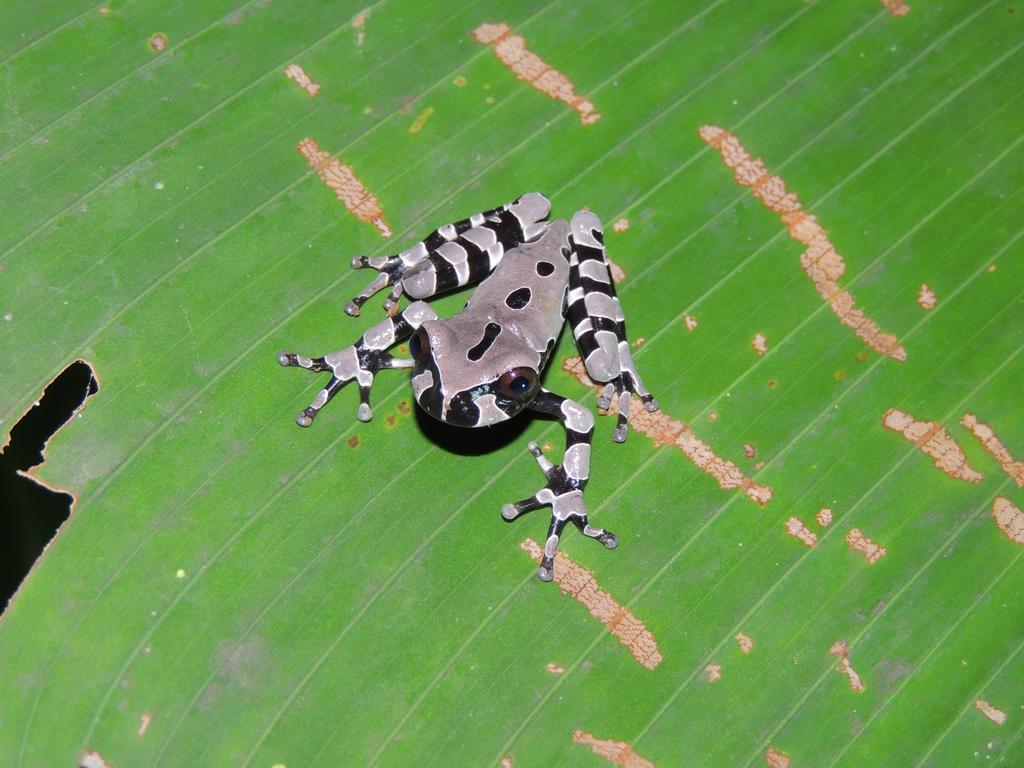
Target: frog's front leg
{"type": "Point", "coordinates": [361, 361]}
{"type": "Point", "coordinates": [566, 481]}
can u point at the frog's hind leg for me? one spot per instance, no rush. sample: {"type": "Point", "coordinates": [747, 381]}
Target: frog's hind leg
{"type": "Point", "coordinates": [566, 481]}
{"type": "Point", "coordinates": [361, 361]}
{"type": "Point", "coordinates": [390, 269]}
{"type": "Point", "coordinates": [453, 255]}
{"type": "Point", "coordinates": [598, 325]}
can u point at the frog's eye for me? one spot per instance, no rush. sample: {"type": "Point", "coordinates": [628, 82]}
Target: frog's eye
{"type": "Point", "coordinates": [419, 345]}
{"type": "Point", "coordinates": [517, 383]}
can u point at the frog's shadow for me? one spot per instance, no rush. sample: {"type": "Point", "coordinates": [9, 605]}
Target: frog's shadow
{"type": "Point", "coordinates": [473, 441]}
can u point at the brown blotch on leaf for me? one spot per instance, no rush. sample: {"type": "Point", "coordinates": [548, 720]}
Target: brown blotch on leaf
{"type": "Point", "coordinates": [1009, 519]}
{"type": "Point", "coordinates": [997, 716]}
{"type": "Point", "coordinates": [775, 759]}
{"type": "Point", "coordinates": [796, 528]}
{"type": "Point", "coordinates": [821, 262]}
{"type": "Point", "coordinates": [144, 722]}
{"type": "Point", "coordinates": [92, 759]}
{"type": "Point", "coordinates": [858, 542]}
{"type": "Point", "coordinates": [746, 642]}
{"type": "Point", "coordinates": [359, 25]}
{"type": "Point", "coordinates": [621, 225]}
{"type": "Point", "coordinates": [298, 75]}
{"type": "Point", "coordinates": [158, 42]}
{"type": "Point", "coordinates": [579, 583]}
{"type": "Point", "coordinates": [772, 383]}
{"type": "Point", "coordinates": [529, 67]}
{"type": "Point", "coordinates": [346, 185]}
{"type": "Point", "coordinates": [932, 439]}
{"type": "Point", "coordinates": [664, 430]}
{"type": "Point", "coordinates": [896, 7]}
{"type": "Point", "coordinates": [824, 517]}
{"type": "Point", "coordinates": [353, 441]}
{"type": "Point", "coordinates": [554, 669]}
{"type": "Point", "coordinates": [615, 752]}
{"type": "Point", "coordinates": [841, 649]}
{"type": "Point", "coordinates": [760, 344]}
{"type": "Point", "coordinates": [987, 437]}
{"type": "Point", "coordinates": [618, 276]}
{"type": "Point", "coordinates": [749, 451]}
{"type": "Point", "coordinates": [390, 420]}
{"type": "Point", "coordinates": [404, 408]}
{"type": "Point", "coordinates": [926, 297]}
{"type": "Point", "coordinates": [713, 672]}
{"type": "Point", "coordinates": [421, 120]}
{"type": "Point", "coordinates": [690, 321]}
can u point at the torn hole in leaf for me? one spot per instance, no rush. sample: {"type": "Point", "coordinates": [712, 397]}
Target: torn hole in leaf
{"type": "Point", "coordinates": [32, 512]}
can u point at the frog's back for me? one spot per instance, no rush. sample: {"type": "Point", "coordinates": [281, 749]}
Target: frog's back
{"type": "Point", "coordinates": [525, 294]}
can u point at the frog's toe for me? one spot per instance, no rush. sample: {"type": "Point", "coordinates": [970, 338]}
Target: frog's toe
{"type": "Point", "coordinates": [609, 539]}
{"type": "Point", "coordinates": [381, 281]}
{"type": "Point", "coordinates": [294, 360]}
{"type": "Point", "coordinates": [510, 512]}
{"type": "Point", "coordinates": [546, 571]}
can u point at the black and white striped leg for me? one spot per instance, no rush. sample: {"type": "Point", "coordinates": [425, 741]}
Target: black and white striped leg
{"type": "Point", "coordinates": [598, 325]}
{"type": "Point", "coordinates": [391, 268]}
{"type": "Point", "coordinates": [475, 253]}
{"type": "Point", "coordinates": [565, 482]}
{"type": "Point", "coordinates": [453, 255]}
{"type": "Point", "coordinates": [361, 361]}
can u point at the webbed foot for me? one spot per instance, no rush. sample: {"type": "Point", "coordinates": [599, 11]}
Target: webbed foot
{"type": "Point", "coordinates": [564, 495]}
{"type": "Point", "coordinates": [624, 387]}
{"type": "Point", "coordinates": [390, 270]}
{"type": "Point", "coordinates": [346, 365]}
{"type": "Point", "coordinates": [361, 361]}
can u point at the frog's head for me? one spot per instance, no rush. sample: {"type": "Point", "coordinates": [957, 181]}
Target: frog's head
{"type": "Point", "coordinates": [471, 381]}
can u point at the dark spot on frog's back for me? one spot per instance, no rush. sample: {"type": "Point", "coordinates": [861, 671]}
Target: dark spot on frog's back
{"type": "Point", "coordinates": [545, 268]}
{"type": "Point", "coordinates": [490, 334]}
{"type": "Point", "coordinates": [518, 299]}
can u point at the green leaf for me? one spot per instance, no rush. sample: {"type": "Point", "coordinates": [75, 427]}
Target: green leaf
{"type": "Point", "coordinates": [232, 590]}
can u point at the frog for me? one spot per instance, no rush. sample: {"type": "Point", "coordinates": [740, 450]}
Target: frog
{"type": "Point", "coordinates": [484, 365]}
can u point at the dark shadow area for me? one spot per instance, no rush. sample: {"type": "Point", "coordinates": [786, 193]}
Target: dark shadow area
{"type": "Point", "coordinates": [472, 441]}
{"type": "Point", "coordinates": [30, 514]}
